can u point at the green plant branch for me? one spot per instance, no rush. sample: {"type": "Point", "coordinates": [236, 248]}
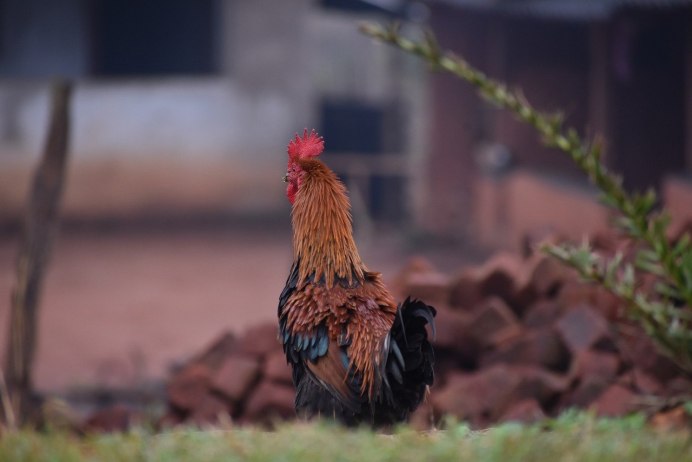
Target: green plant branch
{"type": "Point", "coordinates": [667, 321]}
{"type": "Point", "coordinates": [669, 326]}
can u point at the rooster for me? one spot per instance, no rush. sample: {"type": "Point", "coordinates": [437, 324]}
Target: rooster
{"type": "Point", "coordinates": [356, 356]}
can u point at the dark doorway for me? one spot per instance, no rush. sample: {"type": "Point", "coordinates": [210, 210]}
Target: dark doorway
{"type": "Point", "coordinates": [360, 134]}
{"type": "Point", "coordinates": [649, 111]}
{"type": "Point", "coordinates": [154, 37]}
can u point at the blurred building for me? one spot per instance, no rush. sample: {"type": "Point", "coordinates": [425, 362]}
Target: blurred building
{"type": "Point", "coordinates": [619, 68]}
{"type": "Point", "coordinates": [184, 107]}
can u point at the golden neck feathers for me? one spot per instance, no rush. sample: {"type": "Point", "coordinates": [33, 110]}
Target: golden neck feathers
{"type": "Point", "coordinates": [322, 229]}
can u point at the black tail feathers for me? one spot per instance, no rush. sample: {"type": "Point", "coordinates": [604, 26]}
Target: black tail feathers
{"type": "Point", "coordinates": [410, 359]}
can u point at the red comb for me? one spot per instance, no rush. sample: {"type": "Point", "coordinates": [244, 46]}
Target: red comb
{"type": "Point", "coordinates": [310, 145]}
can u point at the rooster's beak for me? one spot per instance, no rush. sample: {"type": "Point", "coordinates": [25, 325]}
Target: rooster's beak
{"type": "Point", "coordinates": [285, 178]}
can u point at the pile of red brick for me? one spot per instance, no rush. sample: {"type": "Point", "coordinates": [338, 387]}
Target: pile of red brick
{"type": "Point", "coordinates": [241, 379]}
{"type": "Point", "coordinates": [521, 339]}
{"type": "Point", "coordinates": [517, 339]}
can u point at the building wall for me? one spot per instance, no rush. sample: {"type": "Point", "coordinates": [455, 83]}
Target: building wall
{"type": "Point", "coordinates": [179, 144]}
{"type": "Point", "coordinates": [549, 62]}
{"type": "Point", "coordinates": [647, 137]}
{"type": "Point", "coordinates": [612, 77]}
{"type": "Point", "coordinates": [688, 99]}
{"type": "Point", "coordinates": [456, 128]}
{"type": "Point", "coordinates": [40, 38]}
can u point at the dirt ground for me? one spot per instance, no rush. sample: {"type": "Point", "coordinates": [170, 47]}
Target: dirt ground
{"type": "Point", "coordinates": [119, 308]}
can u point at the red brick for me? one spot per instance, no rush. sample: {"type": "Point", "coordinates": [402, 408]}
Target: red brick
{"type": "Point", "coordinates": [644, 382]}
{"type": "Point", "coordinates": [600, 365]}
{"type": "Point", "coordinates": [499, 275]}
{"type": "Point", "coordinates": [581, 327]}
{"type": "Point", "coordinates": [187, 388]}
{"type": "Point", "coordinates": [116, 418]}
{"type": "Point", "coordinates": [416, 264]}
{"type": "Point", "coordinates": [215, 354]}
{"type": "Point", "coordinates": [608, 304]}
{"type": "Point", "coordinates": [268, 402]}
{"type": "Point", "coordinates": [587, 391]}
{"type": "Point", "coordinates": [169, 420]}
{"type": "Point", "coordinates": [637, 349]}
{"type": "Point", "coordinates": [452, 334]}
{"type": "Point", "coordinates": [542, 347]}
{"type": "Point", "coordinates": [484, 396]}
{"type": "Point", "coordinates": [616, 401]}
{"type": "Point", "coordinates": [235, 377]}
{"type": "Point", "coordinates": [548, 275]}
{"type": "Point", "coordinates": [498, 283]}
{"type": "Point", "coordinates": [211, 409]}
{"type": "Point", "coordinates": [524, 297]}
{"type": "Point", "coordinates": [494, 322]}
{"type": "Point", "coordinates": [539, 384]}
{"type": "Point", "coordinates": [574, 292]}
{"type": "Point", "coordinates": [526, 411]}
{"type": "Point", "coordinates": [480, 397]}
{"type": "Point", "coordinates": [672, 419]}
{"type": "Point", "coordinates": [465, 291]}
{"type": "Point", "coordinates": [260, 340]}
{"type": "Point", "coordinates": [678, 386]}
{"type": "Point", "coordinates": [542, 313]}
{"type": "Point", "coordinates": [496, 277]}
{"type": "Point", "coordinates": [605, 241]}
{"type": "Point", "coordinates": [276, 369]}
{"type": "Point", "coordinates": [430, 286]}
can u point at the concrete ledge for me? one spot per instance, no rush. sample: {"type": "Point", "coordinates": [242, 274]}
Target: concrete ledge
{"type": "Point", "coordinates": [525, 202]}
{"type": "Point", "coordinates": [122, 189]}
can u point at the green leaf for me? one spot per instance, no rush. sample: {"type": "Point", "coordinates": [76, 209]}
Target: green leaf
{"type": "Point", "coordinates": [686, 267]}
{"type": "Point", "coordinates": [644, 203]}
{"type": "Point", "coordinates": [660, 224]}
{"type": "Point", "coordinates": [683, 245]}
{"type": "Point", "coordinates": [688, 408]}
{"type": "Point", "coordinates": [651, 268]}
{"type": "Point", "coordinates": [608, 200]}
{"type": "Point", "coordinates": [628, 277]}
{"type": "Point", "coordinates": [648, 255]}
{"type": "Point", "coordinates": [612, 267]}
{"type": "Point", "coordinates": [667, 290]}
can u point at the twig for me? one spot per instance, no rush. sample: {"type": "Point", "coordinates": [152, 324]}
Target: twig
{"type": "Point", "coordinates": [7, 404]}
{"type": "Point", "coordinates": [40, 224]}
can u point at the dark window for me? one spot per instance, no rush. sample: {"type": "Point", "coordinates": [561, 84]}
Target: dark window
{"type": "Point", "coordinates": [154, 37]}
{"type": "Point", "coordinates": [351, 126]}
{"type": "Point", "coordinates": [352, 129]}
{"type": "Point", "coordinates": [3, 15]}
{"type": "Point", "coordinates": [386, 201]}
{"type": "Point", "coordinates": [358, 6]}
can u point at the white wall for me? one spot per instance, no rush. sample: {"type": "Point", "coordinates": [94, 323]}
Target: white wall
{"type": "Point", "coordinates": [209, 143]}
{"type": "Point", "coordinates": [177, 131]}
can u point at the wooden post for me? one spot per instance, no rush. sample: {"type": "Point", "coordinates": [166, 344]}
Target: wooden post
{"type": "Point", "coordinates": [40, 224]}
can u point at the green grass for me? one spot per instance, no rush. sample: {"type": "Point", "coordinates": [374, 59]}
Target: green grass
{"type": "Point", "coordinates": [573, 437]}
